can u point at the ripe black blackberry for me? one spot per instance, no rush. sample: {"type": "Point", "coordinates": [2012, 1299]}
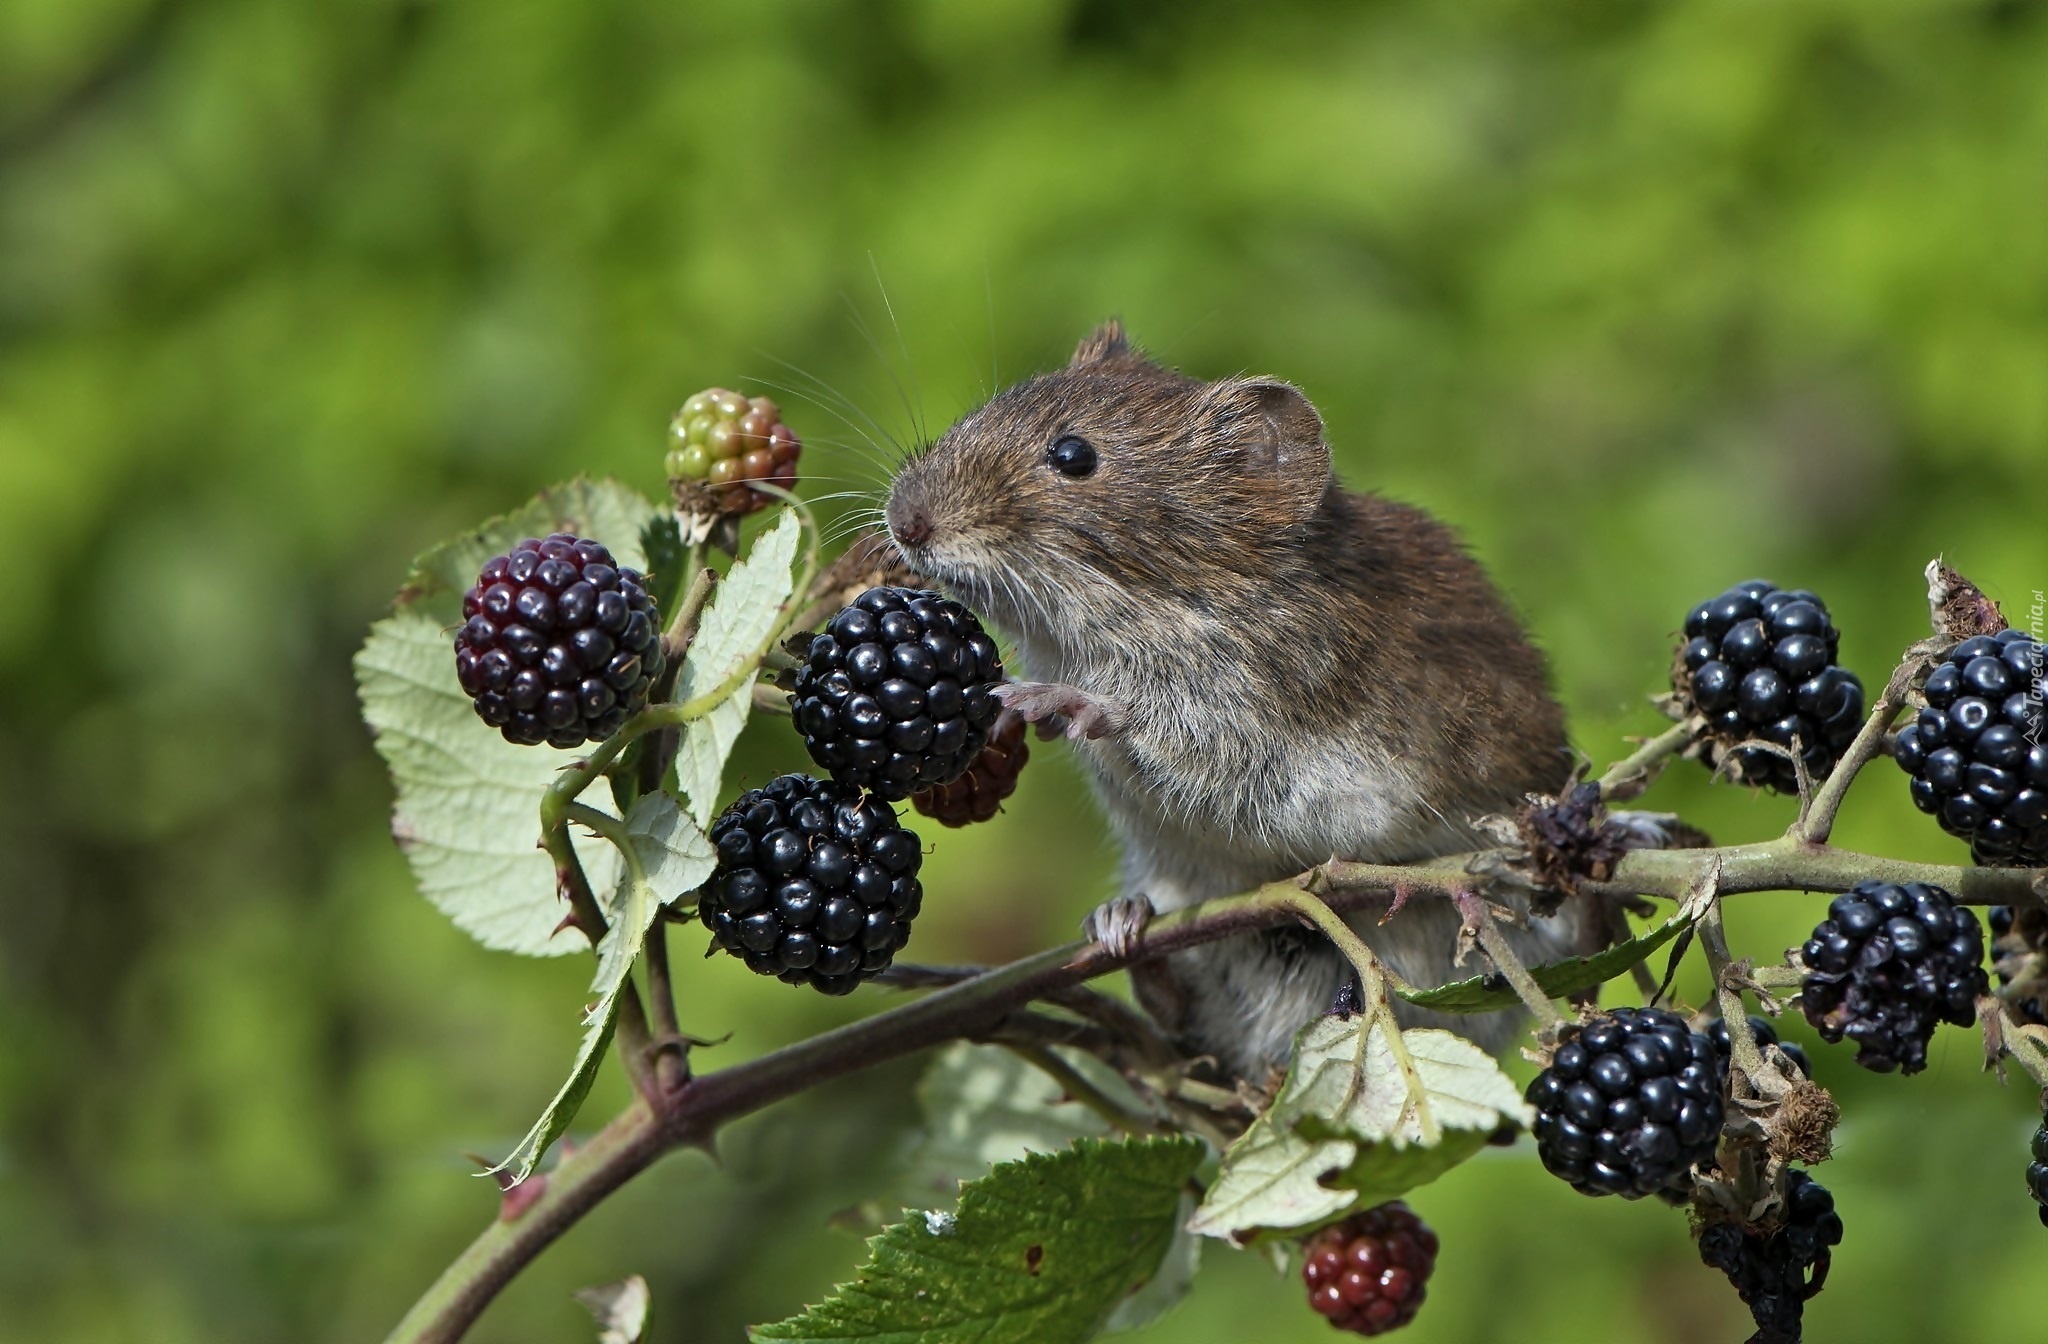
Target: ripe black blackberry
{"type": "Point", "coordinates": [1889, 963]}
{"type": "Point", "coordinates": [815, 883]}
{"type": "Point", "coordinates": [990, 778]}
{"type": "Point", "coordinates": [898, 693]}
{"type": "Point", "coordinates": [1775, 1271]}
{"type": "Point", "coordinates": [1976, 753]}
{"type": "Point", "coordinates": [1759, 663]}
{"type": "Point", "coordinates": [1369, 1273]}
{"type": "Point", "coordinates": [1629, 1104]}
{"type": "Point", "coordinates": [559, 644]}
{"type": "Point", "coordinates": [2037, 1171]}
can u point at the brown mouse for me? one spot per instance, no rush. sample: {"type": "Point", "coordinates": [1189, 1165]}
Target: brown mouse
{"type": "Point", "coordinates": [1260, 669]}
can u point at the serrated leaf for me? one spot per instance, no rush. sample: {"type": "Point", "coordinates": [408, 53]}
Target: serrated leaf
{"type": "Point", "coordinates": [468, 810]}
{"type": "Point", "coordinates": [561, 1111]}
{"type": "Point", "coordinates": [1482, 994]}
{"type": "Point", "coordinates": [1041, 1251]}
{"type": "Point", "coordinates": [985, 1105]}
{"type": "Point", "coordinates": [603, 510]}
{"type": "Point", "coordinates": [1396, 1109]}
{"type": "Point", "coordinates": [675, 857]}
{"type": "Point", "coordinates": [734, 630]}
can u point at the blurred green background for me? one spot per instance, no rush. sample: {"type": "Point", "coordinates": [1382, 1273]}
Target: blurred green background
{"type": "Point", "coordinates": [1647, 298]}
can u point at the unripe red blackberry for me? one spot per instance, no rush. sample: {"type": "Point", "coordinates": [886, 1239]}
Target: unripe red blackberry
{"type": "Point", "coordinates": [990, 778]}
{"type": "Point", "coordinates": [1759, 662]}
{"type": "Point", "coordinates": [815, 883]}
{"type": "Point", "coordinates": [1629, 1104]}
{"type": "Point", "coordinates": [1976, 753]}
{"type": "Point", "coordinates": [898, 693]}
{"type": "Point", "coordinates": [1888, 963]}
{"type": "Point", "coordinates": [1369, 1273]}
{"type": "Point", "coordinates": [558, 643]}
{"type": "Point", "coordinates": [720, 443]}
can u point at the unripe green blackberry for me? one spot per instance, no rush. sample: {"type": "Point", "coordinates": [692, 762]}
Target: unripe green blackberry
{"type": "Point", "coordinates": [720, 443]}
{"type": "Point", "coordinates": [815, 883]}
{"type": "Point", "coordinates": [1759, 663]}
{"type": "Point", "coordinates": [898, 692]}
{"type": "Point", "coordinates": [558, 643]}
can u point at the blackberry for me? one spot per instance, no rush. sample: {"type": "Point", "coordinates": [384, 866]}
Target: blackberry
{"type": "Point", "coordinates": [2037, 1171]}
{"type": "Point", "coordinates": [1889, 963]}
{"type": "Point", "coordinates": [990, 778]}
{"type": "Point", "coordinates": [1369, 1273]}
{"type": "Point", "coordinates": [815, 883]}
{"type": "Point", "coordinates": [1976, 754]}
{"type": "Point", "coordinates": [1629, 1104]}
{"type": "Point", "coordinates": [2017, 960]}
{"type": "Point", "coordinates": [720, 443]}
{"type": "Point", "coordinates": [558, 643]}
{"type": "Point", "coordinates": [1759, 662]}
{"type": "Point", "coordinates": [898, 693]}
{"type": "Point", "coordinates": [1776, 1271]}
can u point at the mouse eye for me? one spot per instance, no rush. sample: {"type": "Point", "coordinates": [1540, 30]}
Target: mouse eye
{"type": "Point", "coordinates": [1071, 455]}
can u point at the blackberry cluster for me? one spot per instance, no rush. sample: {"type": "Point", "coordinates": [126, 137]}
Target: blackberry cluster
{"type": "Point", "coordinates": [1759, 663]}
{"type": "Point", "coordinates": [1776, 1272]}
{"type": "Point", "coordinates": [815, 883]}
{"type": "Point", "coordinates": [1629, 1104]}
{"type": "Point", "coordinates": [720, 443]}
{"type": "Point", "coordinates": [558, 644]}
{"type": "Point", "coordinates": [990, 778]}
{"type": "Point", "coordinates": [1976, 753]}
{"type": "Point", "coordinates": [1889, 963]}
{"type": "Point", "coordinates": [2037, 1171]}
{"type": "Point", "coordinates": [2017, 960]}
{"type": "Point", "coordinates": [1368, 1274]}
{"type": "Point", "coordinates": [898, 694]}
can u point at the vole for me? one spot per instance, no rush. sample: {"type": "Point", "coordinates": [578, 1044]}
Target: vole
{"type": "Point", "coordinates": [1260, 669]}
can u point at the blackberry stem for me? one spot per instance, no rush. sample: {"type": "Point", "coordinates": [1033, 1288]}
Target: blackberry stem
{"type": "Point", "coordinates": [1745, 1058]}
{"type": "Point", "coordinates": [1479, 919]}
{"type": "Point", "coordinates": [1634, 773]}
{"type": "Point", "coordinates": [1817, 820]}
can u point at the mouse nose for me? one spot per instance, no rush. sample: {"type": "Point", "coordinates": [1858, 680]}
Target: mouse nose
{"type": "Point", "coordinates": [909, 523]}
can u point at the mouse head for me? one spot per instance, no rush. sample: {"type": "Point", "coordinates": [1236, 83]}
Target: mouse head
{"type": "Point", "coordinates": [1109, 485]}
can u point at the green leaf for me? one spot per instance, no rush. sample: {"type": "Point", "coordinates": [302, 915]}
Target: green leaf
{"type": "Point", "coordinates": [734, 632]}
{"type": "Point", "coordinates": [1486, 994]}
{"type": "Point", "coordinates": [985, 1105]}
{"type": "Point", "coordinates": [604, 510]}
{"type": "Point", "coordinates": [1041, 1251]}
{"type": "Point", "coordinates": [674, 856]}
{"type": "Point", "coordinates": [1364, 1111]}
{"type": "Point", "coordinates": [468, 810]}
{"type": "Point", "coordinates": [555, 1120]}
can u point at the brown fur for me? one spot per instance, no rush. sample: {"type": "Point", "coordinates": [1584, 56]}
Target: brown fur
{"type": "Point", "coordinates": [1294, 671]}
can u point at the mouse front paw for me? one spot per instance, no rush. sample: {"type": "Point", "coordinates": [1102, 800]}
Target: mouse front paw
{"type": "Point", "coordinates": [1059, 708]}
{"type": "Point", "coordinates": [1119, 925]}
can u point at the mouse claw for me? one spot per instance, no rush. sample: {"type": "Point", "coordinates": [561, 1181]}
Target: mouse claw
{"type": "Point", "coordinates": [1057, 708]}
{"type": "Point", "coordinates": [1119, 925]}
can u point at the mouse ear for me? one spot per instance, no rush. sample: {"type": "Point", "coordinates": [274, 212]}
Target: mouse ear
{"type": "Point", "coordinates": [1105, 342]}
{"type": "Point", "coordinates": [1281, 438]}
